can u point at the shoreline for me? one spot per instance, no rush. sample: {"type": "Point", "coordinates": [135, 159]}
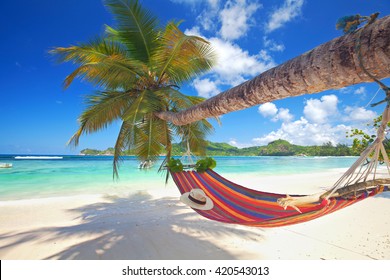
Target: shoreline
{"type": "Point", "coordinates": [154, 224]}
{"type": "Point", "coordinates": [260, 180]}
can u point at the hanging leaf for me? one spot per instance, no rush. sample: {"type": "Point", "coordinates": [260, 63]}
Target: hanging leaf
{"type": "Point", "coordinates": [203, 164]}
{"type": "Point", "coordinates": [175, 165]}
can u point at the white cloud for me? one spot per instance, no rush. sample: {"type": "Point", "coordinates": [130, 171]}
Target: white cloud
{"type": "Point", "coordinates": [234, 143]}
{"type": "Point", "coordinates": [359, 114]}
{"type": "Point", "coordinates": [284, 115]}
{"type": "Point", "coordinates": [206, 88]}
{"type": "Point", "coordinates": [235, 65]}
{"type": "Point", "coordinates": [360, 90]}
{"type": "Point", "coordinates": [302, 132]}
{"type": "Point", "coordinates": [317, 126]}
{"type": "Point", "coordinates": [213, 3]}
{"type": "Point", "coordinates": [268, 109]}
{"type": "Point", "coordinates": [193, 2]}
{"type": "Point", "coordinates": [272, 45]}
{"type": "Point", "coordinates": [194, 31]}
{"type": "Point", "coordinates": [289, 10]}
{"type": "Point", "coordinates": [319, 111]}
{"type": "Point", "coordinates": [208, 18]}
{"type": "Point", "coordinates": [236, 18]}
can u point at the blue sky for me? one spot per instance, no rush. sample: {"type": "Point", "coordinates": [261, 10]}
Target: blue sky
{"type": "Point", "coordinates": [249, 36]}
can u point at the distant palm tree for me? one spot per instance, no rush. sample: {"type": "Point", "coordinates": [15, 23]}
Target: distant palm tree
{"type": "Point", "coordinates": [138, 67]}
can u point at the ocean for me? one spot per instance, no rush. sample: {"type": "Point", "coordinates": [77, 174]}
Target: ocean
{"type": "Point", "coordinates": [67, 175]}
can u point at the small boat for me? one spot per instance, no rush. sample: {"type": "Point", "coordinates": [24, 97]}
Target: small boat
{"type": "Point", "coordinates": [5, 165]}
{"type": "Point", "coordinates": [146, 164]}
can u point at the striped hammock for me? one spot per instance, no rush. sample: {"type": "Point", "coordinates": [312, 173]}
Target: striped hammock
{"type": "Point", "coordinates": [239, 205]}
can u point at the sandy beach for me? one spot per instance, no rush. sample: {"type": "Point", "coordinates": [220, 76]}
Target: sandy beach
{"type": "Point", "coordinates": [156, 225]}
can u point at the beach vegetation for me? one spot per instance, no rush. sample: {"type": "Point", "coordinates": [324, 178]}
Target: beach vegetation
{"type": "Point", "coordinates": [175, 165]}
{"type": "Point", "coordinates": [137, 67]}
{"type": "Point", "coordinates": [206, 163]}
{"type": "Point", "coordinates": [361, 139]}
{"type": "Point", "coordinates": [275, 148]}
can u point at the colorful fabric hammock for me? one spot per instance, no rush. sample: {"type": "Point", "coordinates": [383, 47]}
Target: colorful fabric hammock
{"type": "Point", "coordinates": [239, 205]}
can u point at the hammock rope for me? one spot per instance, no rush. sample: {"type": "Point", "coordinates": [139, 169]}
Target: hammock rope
{"type": "Point", "coordinates": [353, 177]}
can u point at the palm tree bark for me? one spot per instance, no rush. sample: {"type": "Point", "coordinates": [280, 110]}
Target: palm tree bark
{"type": "Point", "coordinates": [332, 65]}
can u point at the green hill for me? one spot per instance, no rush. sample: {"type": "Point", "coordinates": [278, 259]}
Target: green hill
{"type": "Point", "coordinates": [278, 148]}
{"type": "Point", "coordinates": [275, 148]}
{"type": "Point", "coordinates": [284, 148]}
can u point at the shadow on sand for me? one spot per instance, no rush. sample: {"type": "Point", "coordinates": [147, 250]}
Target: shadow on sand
{"type": "Point", "coordinates": [138, 227]}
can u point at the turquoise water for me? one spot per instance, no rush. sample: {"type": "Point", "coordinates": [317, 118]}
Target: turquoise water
{"type": "Point", "coordinates": [70, 175]}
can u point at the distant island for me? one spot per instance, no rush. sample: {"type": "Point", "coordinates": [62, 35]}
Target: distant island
{"type": "Point", "coordinates": [276, 148]}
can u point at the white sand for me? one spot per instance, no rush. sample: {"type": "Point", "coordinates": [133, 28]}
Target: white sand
{"type": "Point", "coordinates": [156, 225]}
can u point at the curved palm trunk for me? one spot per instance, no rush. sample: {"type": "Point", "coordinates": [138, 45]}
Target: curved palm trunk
{"type": "Point", "coordinates": [332, 65]}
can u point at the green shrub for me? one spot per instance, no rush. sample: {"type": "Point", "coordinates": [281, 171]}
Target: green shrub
{"type": "Point", "coordinates": [175, 165]}
{"type": "Point", "coordinates": [203, 164]}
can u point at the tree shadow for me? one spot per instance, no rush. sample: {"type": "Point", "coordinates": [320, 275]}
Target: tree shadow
{"type": "Point", "coordinates": [139, 227]}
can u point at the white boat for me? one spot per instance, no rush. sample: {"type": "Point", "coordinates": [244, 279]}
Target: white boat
{"type": "Point", "coordinates": [146, 164]}
{"type": "Point", "coordinates": [5, 165]}
{"type": "Point", "coordinates": [38, 157]}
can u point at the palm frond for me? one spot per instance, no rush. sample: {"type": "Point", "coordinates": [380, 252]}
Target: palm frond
{"type": "Point", "coordinates": [92, 51]}
{"type": "Point", "coordinates": [165, 138]}
{"type": "Point", "coordinates": [146, 102]}
{"type": "Point", "coordinates": [175, 98]}
{"type": "Point", "coordinates": [102, 62]}
{"type": "Point", "coordinates": [121, 145]}
{"type": "Point", "coordinates": [150, 144]}
{"type": "Point", "coordinates": [181, 57]}
{"type": "Point", "coordinates": [103, 108]}
{"type": "Point", "coordinates": [136, 28]}
{"type": "Point", "coordinates": [195, 135]}
{"type": "Point", "coordinates": [128, 137]}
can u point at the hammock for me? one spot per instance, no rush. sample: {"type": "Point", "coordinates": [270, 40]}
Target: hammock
{"type": "Point", "coordinates": [239, 205]}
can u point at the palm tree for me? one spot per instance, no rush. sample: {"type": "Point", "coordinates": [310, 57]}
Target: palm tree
{"type": "Point", "coordinates": [138, 67]}
{"type": "Point", "coordinates": [344, 61]}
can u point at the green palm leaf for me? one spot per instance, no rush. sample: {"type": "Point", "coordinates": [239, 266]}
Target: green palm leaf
{"type": "Point", "coordinates": [103, 109]}
{"type": "Point", "coordinates": [150, 143]}
{"type": "Point", "coordinates": [146, 102]}
{"type": "Point", "coordinates": [195, 134]}
{"type": "Point", "coordinates": [174, 98]}
{"type": "Point", "coordinates": [136, 28]}
{"type": "Point", "coordinates": [122, 143]}
{"type": "Point", "coordinates": [181, 57]}
{"type": "Point", "coordinates": [102, 62]}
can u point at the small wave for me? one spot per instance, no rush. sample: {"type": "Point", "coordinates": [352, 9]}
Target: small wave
{"type": "Point", "coordinates": [38, 157]}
